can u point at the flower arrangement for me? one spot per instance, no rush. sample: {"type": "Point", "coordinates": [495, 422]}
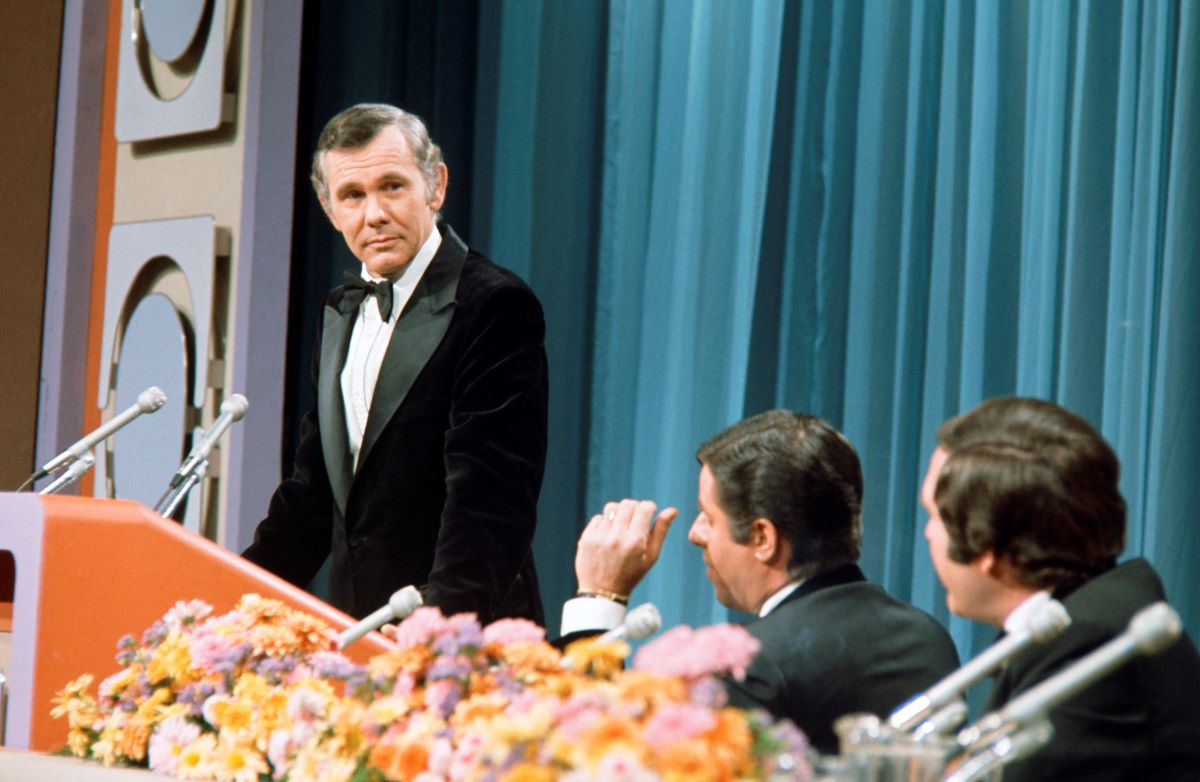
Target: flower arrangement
{"type": "Point", "coordinates": [261, 693]}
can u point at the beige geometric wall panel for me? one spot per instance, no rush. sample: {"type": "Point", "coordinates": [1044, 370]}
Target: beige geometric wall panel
{"type": "Point", "coordinates": [164, 311]}
{"type": "Point", "coordinates": [171, 68]}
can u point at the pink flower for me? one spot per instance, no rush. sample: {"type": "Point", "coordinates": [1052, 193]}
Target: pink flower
{"type": "Point", "coordinates": [168, 740]}
{"type": "Point", "coordinates": [687, 653]}
{"type": "Point", "coordinates": [677, 721]}
{"type": "Point", "coordinates": [512, 631]}
{"type": "Point", "coordinates": [186, 613]}
{"type": "Point", "coordinates": [207, 649]}
{"type": "Point", "coordinates": [421, 627]}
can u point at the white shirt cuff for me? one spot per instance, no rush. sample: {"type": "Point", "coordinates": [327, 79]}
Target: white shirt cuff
{"type": "Point", "coordinates": [591, 613]}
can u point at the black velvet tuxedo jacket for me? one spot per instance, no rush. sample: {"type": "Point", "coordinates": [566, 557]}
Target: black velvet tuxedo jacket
{"type": "Point", "coordinates": [445, 493]}
{"type": "Point", "coordinates": [837, 645]}
{"type": "Point", "coordinates": [1141, 722]}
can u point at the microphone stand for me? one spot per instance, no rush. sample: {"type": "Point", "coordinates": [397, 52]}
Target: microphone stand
{"type": "Point", "coordinates": [174, 496]}
{"type": "Point", "coordinates": [72, 473]}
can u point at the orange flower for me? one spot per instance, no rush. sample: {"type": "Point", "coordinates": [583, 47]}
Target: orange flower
{"type": "Point", "coordinates": [528, 657]}
{"type": "Point", "coordinates": [400, 760]}
{"type": "Point", "coordinates": [650, 688]}
{"type": "Point", "coordinates": [478, 707]}
{"type": "Point", "coordinates": [133, 739]}
{"type": "Point", "coordinates": [690, 761]}
{"type": "Point", "coordinates": [410, 659]}
{"type": "Point", "coordinates": [611, 731]}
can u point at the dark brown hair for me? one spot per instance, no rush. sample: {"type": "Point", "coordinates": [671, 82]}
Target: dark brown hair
{"type": "Point", "coordinates": [798, 472]}
{"type": "Point", "coordinates": [1037, 486]}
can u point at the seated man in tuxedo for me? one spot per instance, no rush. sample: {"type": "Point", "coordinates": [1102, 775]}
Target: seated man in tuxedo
{"type": "Point", "coordinates": [779, 526]}
{"type": "Point", "coordinates": [422, 460]}
{"type": "Point", "coordinates": [1022, 498]}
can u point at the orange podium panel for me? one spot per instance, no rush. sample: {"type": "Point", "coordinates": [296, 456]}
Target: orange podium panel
{"type": "Point", "coordinates": [88, 571]}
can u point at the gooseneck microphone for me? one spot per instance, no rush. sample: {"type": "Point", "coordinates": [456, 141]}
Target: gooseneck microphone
{"type": "Point", "coordinates": [639, 623]}
{"type": "Point", "coordinates": [1046, 621]}
{"type": "Point", "coordinates": [402, 603]}
{"type": "Point", "coordinates": [148, 401]}
{"type": "Point", "coordinates": [232, 409]}
{"type": "Point", "coordinates": [1150, 631]}
{"type": "Point", "coordinates": [195, 465]}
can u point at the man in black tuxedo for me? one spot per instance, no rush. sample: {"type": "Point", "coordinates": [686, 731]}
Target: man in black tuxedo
{"type": "Point", "coordinates": [780, 497]}
{"type": "Point", "coordinates": [1023, 498]}
{"type": "Point", "coordinates": [422, 460]}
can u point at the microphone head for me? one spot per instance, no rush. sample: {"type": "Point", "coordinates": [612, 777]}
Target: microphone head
{"type": "Point", "coordinates": [151, 399]}
{"type": "Point", "coordinates": [404, 601]}
{"type": "Point", "coordinates": [235, 406]}
{"type": "Point", "coordinates": [642, 621]}
{"type": "Point", "coordinates": [1048, 622]}
{"type": "Point", "coordinates": [1155, 628]}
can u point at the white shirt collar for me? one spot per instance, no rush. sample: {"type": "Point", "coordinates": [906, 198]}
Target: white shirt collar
{"type": "Point", "coordinates": [1019, 618]}
{"type": "Point", "coordinates": [404, 285]}
{"type": "Point", "coordinates": [772, 602]}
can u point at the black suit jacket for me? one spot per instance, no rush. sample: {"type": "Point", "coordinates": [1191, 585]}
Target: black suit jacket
{"type": "Point", "coordinates": [1140, 722]}
{"type": "Point", "coordinates": [451, 463]}
{"type": "Point", "coordinates": [839, 645]}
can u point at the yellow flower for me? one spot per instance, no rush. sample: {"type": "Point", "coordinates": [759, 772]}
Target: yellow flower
{"type": "Point", "coordinates": [528, 772]}
{"type": "Point", "coordinates": [170, 660]}
{"type": "Point", "coordinates": [78, 741]}
{"type": "Point", "coordinates": [233, 761]}
{"type": "Point", "coordinates": [196, 759]}
{"type": "Point", "coordinates": [73, 701]}
{"type": "Point", "coordinates": [133, 739]}
{"type": "Point", "coordinates": [229, 714]}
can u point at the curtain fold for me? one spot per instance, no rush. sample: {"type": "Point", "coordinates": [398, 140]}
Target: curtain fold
{"type": "Point", "coordinates": [954, 201]}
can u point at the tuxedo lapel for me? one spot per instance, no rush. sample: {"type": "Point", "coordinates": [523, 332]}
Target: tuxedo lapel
{"type": "Point", "coordinates": [418, 332]}
{"type": "Point", "coordinates": [335, 343]}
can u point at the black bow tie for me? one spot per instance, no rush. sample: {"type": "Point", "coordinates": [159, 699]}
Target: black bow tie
{"type": "Point", "coordinates": [358, 289]}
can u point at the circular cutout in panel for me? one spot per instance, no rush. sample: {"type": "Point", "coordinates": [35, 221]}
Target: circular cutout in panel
{"type": "Point", "coordinates": [171, 26]}
{"type": "Point", "coordinates": [146, 453]}
{"type": "Point", "coordinates": [170, 37]}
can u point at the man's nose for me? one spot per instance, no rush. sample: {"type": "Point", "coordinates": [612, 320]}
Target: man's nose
{"type": "Point", "coordinates": [376, 214]}
{"type": "Point", "coordinates": [697, 534]}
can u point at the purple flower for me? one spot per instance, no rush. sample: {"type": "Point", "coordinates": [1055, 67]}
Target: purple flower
{"type": "Point", "coordinates": [155, 633]}
{"type": "Point", "coordinates": [449, 667]}
{"type": "Point", "coordinates": [335, 665]}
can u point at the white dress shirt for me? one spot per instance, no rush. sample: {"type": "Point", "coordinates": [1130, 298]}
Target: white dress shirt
{"type": "Point", "coordinates": [369, 340]}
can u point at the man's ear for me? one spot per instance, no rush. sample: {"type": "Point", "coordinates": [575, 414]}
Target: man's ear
{"type": "Point", "coordinates": [324, 199]}
{"type": "Point", "coordinates": [438, 197]}
{"type": "Point", "coordinates": [765, 541]}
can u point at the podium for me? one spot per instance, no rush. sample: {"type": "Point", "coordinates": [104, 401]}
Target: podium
{"type": "Point", "coordinates": [82, 572]}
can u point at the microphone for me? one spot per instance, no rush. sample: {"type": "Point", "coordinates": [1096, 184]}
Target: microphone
{"type": "Point", "coordinates": [147, 402]}
{"type": "Point", "coordinates": [639, 622]}
{"type": "Point", "coordinates": [1150, 631]}
{"type": "Point", "coordinates": [232, 409]}
{"type": "Point", "coordinates": [1046, 622]}
{"type": "Point", "coordinates": [73, 473]}
{"type": "Point", "coordinates": [402, 603]}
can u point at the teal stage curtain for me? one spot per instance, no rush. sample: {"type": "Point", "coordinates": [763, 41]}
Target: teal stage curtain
{"type": "Point", "coordinates": [878, 212]}
{"type": "Point", "coordinates": [881, 213]}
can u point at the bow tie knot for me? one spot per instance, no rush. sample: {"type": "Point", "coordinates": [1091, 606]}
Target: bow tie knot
{"type": "Point", "coordinates": [358, 289]}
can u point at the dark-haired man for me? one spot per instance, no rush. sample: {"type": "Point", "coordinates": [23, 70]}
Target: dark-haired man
{"type": "Point", "coordinates": [780, 497]}
{"type": "Point", "coordinates": [422, 460]}
{"type": "Point", "coordinates": [1023, 498]}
